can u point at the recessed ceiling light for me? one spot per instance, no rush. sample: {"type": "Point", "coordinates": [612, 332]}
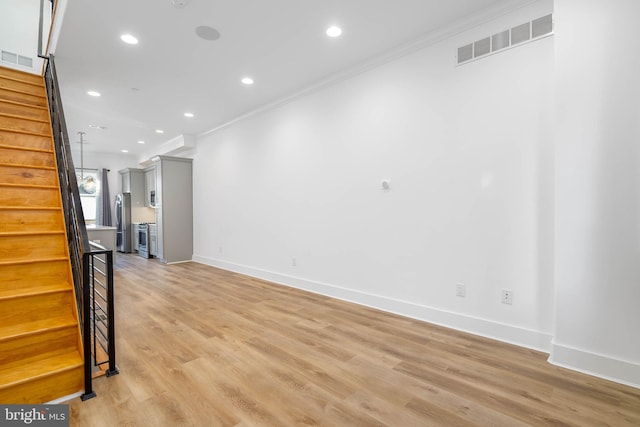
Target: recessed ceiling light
{"type": "Point", "coordinates": [159, 131]}
{"type": "Point", "coordinates": [247, 81]}
{"type": "Point", "coordinates": [140, 142]}
{"type": "Point", "coordinates": [129, 39]}
{"type": "Point", "coordinates": [188, 114]}
{"type": "Point", "coordinates": [334, 31]}
{"type": "Point", "coordinates": [125, 151]}
{"type": "Point", "coordinates": [93, 93]}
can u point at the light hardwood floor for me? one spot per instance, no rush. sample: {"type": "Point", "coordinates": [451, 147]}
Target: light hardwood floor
{"type": "Point", "coordinates": [205, 347]}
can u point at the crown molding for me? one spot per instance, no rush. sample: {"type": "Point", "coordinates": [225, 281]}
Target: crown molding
{"type": "Point", "coordinates": [426, 40]}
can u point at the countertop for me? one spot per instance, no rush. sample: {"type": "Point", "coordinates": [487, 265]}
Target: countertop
{"type": "Point", "coordinates": [99, 227]}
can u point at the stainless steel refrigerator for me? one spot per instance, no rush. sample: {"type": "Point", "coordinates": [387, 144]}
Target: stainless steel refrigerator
{"type": "Point", "coordinates": [123, 223]}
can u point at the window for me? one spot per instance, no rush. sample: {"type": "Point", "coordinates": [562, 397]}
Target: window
{"type": "Point", "coordinates": [89, 187]}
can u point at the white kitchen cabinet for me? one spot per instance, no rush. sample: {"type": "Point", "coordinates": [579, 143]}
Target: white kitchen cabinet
{"type": "Point", "coordinates": [135, 238]}
{"type": "Point", "coordinates": [153, 240]}
{"type": "Point", "coordinates": [174, 208]}
{"type": "Point", "coordinates": [133, 182]}
{"type": "Point", "coordinates": [150, 187]}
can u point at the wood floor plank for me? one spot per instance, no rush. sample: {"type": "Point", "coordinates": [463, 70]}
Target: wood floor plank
{"type": "Point", "coordinates": [202, 346]}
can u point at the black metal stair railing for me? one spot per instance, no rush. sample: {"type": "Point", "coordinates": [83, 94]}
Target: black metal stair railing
{"type": "Point", "coordinates": [92, 265]}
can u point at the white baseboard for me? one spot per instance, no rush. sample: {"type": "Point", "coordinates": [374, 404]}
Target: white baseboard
{"type": "Point", "coordinates": [65, 399]}
{"type": "Point", "coordinates": [607, 367]}
{"type": "Point", "coordinates": [486, 328]}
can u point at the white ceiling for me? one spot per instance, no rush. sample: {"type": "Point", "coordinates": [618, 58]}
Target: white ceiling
{"type": "Point", "coordinates": [281, 44]}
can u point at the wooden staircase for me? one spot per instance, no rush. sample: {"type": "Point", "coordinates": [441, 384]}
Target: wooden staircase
{"type": "Point", "coordinates": [40, 345]}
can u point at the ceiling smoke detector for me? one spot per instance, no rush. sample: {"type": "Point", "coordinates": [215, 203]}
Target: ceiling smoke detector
{"type": "Point", "coordinates": [179, 4]}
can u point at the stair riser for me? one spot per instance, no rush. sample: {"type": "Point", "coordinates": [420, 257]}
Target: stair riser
{"type": "Point", "coordinates": [15, 311]}
{"type": "Point", "coordinates": [32, 89]}
{"type": "Point", "coordinates": [24, 276]}
{"type": "Point", "coordinates": [37, 346]}
{"type": "Point", "coordinates": [23, 110]}
{"type": "Point", "coordinates": [34, 197]}
{"type": "Point", "coordinates": [45, 389]}
{"type": "Point", "coordinates": [32, 176]}
{"type": "Point", "coordinates": [27, 141]}
{"type": "Point", "coordinates": [10, 95]}
{"type": "Point", "coordinates": [20, 75]}
{"type": "Point", "coordinates": [24, 125]}
{"type": "Point", "coordinates": [28, 220]}
{"type": "Point", "coordinates": [27, 158]}
{"type": "Point", "coordinates": [19, 248]}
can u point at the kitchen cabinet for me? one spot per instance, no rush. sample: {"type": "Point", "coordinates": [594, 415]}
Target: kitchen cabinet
{"type": "Point", "coordinates": [150, 187]}
{"type": "Point", "coordinates": [153, 240]}
{"type": "Point", "coordinates": [174, 208]}
{"type": "Point", "coordinates": [133, 182]}
{"type": "Point", "coordinates": [135, 237]}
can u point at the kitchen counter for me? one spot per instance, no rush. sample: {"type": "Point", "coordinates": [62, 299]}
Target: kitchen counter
{"type": "Point", "coordinates": [103, 235]}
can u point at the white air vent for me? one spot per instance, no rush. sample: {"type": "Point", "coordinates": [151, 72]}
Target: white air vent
{"type": "Point", "coordinates": [25, 60]}
{"type": "Point", "coordinates": [465, 53]}
{"type": "Point", "coordinates": [482, 47]}
{"type": "Point", "coordinates": [9, 57]}
{"type": "Point", "coordinates": [14, 58]}
{"type": "Point", "coordinates": [521, 33]}
{"type": "Point", "coordinates": [541, 26]}
{"type": "Point", "coordinates": [528, 31]}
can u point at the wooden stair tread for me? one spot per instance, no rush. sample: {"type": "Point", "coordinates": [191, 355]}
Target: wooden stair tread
{"type": "Point", "coordinates": [22, 104]}
{"type": "Point", "coordinates": [17, 79]}
{"type": "Point", "coordinates": [28, 328]}
{"type": "Point", "coordinates": [29, 233]}
{"type": "Point", "coordinates": [45, 187]}
{"type": "Point", "coordinates": [40, 369]}
{"type": "Point", "coordinates": [15, 165]}
{"type": "Point", "coordinates": [25, 132]}
{"type": "Point", "coordinates": [34, 290]}
{"type": "Point", "coordinates": [33, 260]}
{"type": "Point", "coordinates": [23, 92]}
{"type": "Point", "coordinates": [20, 74]}
{"type": "Point", "coordinates": [20, 117]}
{"type": "Point", "coordinates": [30, 208]}
{"type": "Point", "coordinates": [21, 148]}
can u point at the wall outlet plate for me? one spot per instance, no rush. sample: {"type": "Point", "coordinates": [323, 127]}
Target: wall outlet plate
{"type": "Point", "coordinates": [507, 296]}
{"type": "Point", "coordinates": [461, 290]}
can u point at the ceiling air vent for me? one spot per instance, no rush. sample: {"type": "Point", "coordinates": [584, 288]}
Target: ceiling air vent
{"type": "Point", "coordinates": [529, 31]}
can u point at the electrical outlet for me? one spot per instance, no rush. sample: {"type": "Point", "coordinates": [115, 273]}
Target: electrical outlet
{"type": "Point", "coordinates": [294, 262]}
{"type": "Point", "coordinates": [461, 290]}
{"type": "Point", "coordinates": [220, 249]}
{"type": "Point", "coordinates": [507, 296]}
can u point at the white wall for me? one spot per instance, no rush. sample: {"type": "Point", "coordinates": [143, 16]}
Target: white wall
{"type": "Point", "coordinates": [469, 153]}
{"type": "Point", "coordinates": [19, 21]}
{"type": "Point", "coordinates": [597, 274]}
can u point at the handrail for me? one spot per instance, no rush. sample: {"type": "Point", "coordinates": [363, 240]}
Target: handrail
{"type": "Point", "coordinates": [83, 258]}
{"type": "Point", "coordinates": [42, 54]}
{"type": "Point", "coordinates": [99, 306]}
